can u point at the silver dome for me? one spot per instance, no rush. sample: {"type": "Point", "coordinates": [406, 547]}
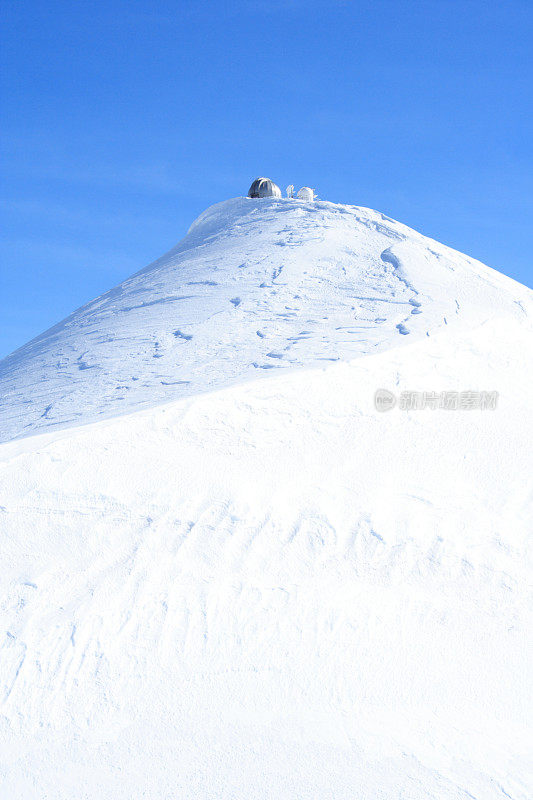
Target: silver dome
{"type": "Point", "coordinates": [264, 187]}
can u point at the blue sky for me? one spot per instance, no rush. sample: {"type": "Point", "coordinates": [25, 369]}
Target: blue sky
{"type": "Point", "coordinates": [122, 121]}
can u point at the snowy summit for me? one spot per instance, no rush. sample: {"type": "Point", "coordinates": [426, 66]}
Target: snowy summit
{"type": "Point", "coordinates": [256, 285]}
{"type": "Point", "coordinates": [229, 571]}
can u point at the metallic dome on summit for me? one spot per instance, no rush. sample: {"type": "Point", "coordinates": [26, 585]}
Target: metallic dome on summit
{"type": "Point", "coordinates": [264, 187]}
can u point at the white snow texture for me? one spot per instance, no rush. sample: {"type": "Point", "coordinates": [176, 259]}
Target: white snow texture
{"type": "Point", "coordinates": [225, 574]}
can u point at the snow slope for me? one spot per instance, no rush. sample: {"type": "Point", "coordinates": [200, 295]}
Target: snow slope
{"type": "Point", "coordinates": [256, 285]}
{"type": "Point", "coordinates": [266, 588]}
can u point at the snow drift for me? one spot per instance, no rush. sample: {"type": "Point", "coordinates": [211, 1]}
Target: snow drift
{"type": "Point", "coordinates": [256, 285]}
{"type": "Point", "coordinates": [225, 574]}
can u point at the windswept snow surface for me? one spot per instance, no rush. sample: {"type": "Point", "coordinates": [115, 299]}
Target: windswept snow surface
{"type": "Point", "coordinates": [225, 587]}
{"type": "Point", "coordinates": [255, 286]}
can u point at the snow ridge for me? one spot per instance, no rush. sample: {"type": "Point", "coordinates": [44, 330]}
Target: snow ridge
{"type": "Point", "coordinates": [255, 286]}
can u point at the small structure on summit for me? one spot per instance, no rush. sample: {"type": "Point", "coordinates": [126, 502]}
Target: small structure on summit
{"type": "Point", "coordinates": [306, 193]}
{"type": "Point", "coordinates": [264, 187]}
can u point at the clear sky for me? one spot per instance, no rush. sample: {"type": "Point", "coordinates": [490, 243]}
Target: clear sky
{"type": "Point", "coordinates": [122, 121]}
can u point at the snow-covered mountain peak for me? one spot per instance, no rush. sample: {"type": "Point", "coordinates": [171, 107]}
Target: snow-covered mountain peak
{"type": "Point", "coordinates": [255, 286]}
{"type": "Point", "coordinates": [273, 589]}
